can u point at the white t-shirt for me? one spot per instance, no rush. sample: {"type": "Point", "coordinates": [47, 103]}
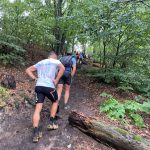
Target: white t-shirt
{"type": "Point", "coordinates": [46, 70]}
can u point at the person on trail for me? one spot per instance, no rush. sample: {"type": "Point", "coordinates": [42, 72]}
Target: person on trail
{"type": "Point", "coordinates": [80, 58]}
{"type": "Point", "coordinates": [46, 81]}
{"type": "Point", "coordinates": [77, 57]}
{"type": "Point", "coordinates": [69, 62]}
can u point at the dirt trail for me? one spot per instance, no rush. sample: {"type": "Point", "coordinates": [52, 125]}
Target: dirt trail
{"type": "Point", "coordinates": [16, 130]}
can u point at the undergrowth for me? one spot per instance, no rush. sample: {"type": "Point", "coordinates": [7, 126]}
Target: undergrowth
{"type": "Point", "coordinates": [11, 52]}
{"type": "Point", "coordinates": [124, 80]}
{"type": "Point", "coordinates": [3, 96]}
{"type": "Point", "coordinates": [122, 110]}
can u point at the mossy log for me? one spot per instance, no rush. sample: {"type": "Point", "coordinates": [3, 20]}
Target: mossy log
{"type": "Point", "coordinates": [108, 135]}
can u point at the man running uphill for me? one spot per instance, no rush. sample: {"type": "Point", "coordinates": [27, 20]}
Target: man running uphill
{"type": "Point", "coordinates": [45, 87]}
{"type": "Point", "coordinates": [70, 68]}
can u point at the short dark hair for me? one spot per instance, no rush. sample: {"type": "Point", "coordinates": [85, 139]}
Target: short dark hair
{"type": "Point", "coordinates": [69, 54]}
{"type": "Point", "coordinates": [52, 53]}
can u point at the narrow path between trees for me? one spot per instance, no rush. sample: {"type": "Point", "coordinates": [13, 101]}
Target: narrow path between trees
{"type": "Point", "coordinates": [16, 129]}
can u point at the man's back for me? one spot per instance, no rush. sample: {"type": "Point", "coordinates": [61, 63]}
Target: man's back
{"type": "Point", "coordinates": [66, 79]}
{"type": "Point", "coordinates": [68, 62]}
{"type": "Point", "coordinates": [46, 70]}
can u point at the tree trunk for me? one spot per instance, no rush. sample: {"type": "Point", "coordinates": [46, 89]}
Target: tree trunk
{"type": "Point", "coordinates": [84, 47]}
{"type": "Point", "coordinates": [117, 50]}
{"type": "Point", "coordinates": [73, 43]}
{"type": "Point", "coordinates": [58, 33]}
{"type": "Point", "coordinates": [104, 54]}
{"type": "Point", "coordinates": [115, 137]}
{"type": "Point", "coordinates": [100, 52]}
{"type": "Point", "coordinates": [17, 22]}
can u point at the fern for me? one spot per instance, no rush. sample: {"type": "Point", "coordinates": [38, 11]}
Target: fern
{"type": "Point", "coordinates": [113, 109]}
{"type": "Point", "coordinates": [146, 107]}
{"type": "Point", "coordinates": [137, 119]}
{"type": "Point", "coordinates": [130, 108]}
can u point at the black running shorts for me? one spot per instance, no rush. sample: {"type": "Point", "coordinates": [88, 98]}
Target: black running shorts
{"type": "Point", "coordinates": [42, 92]}
{"type": "Point", "coordinates": [65, 79]}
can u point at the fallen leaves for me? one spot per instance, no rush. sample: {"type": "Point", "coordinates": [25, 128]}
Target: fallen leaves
{"type": "Point", "coordinates": [2, 104]}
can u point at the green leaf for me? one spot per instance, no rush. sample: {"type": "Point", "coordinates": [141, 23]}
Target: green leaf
{"type": "Point", "coordinates": [104, 94]}
{"type": "Point", "coordinates": [138, 120]}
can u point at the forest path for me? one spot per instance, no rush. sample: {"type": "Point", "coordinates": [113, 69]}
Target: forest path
{"type": "Point", "coordinates": [16, 130]}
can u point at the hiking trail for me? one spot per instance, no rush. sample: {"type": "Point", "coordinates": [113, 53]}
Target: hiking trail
{"type": "Point", "coordinates": [16, 129]}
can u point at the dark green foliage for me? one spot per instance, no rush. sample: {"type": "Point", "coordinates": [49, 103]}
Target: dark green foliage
{"type": "Point", "coordinates": [117, 35]}
{"type": "Point", "coordinates": [114, 109]}
{"type": "Point", "coordinates": [125, 80]}
{"type": "Point", "coordinates": [146, 107]}
{"type": "Point", "coordinates": [130, 108]}
{"type": "Point", "coordinates": [120, 43]}
{"type": "Point", "coordinates": [11, 53]}
{"type": "Point", "coordinates": [138, 98]}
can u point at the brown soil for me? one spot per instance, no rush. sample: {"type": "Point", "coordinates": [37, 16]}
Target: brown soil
{"type": "Point", "coordinates": [16, 126]}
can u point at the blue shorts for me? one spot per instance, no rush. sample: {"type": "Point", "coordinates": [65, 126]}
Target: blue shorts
{"type": "Point", "coordinates": [42, 92]}
{"type": "Point", "coordinates": [66, 78]}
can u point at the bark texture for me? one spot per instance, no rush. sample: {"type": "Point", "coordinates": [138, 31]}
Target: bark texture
{"type": "Point", "coordinates": [108, 135]}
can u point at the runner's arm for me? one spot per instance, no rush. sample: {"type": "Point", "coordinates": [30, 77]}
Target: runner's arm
{"type": "Point", "coordinates": [30, 71]}
{"type": "Point", "coordinates": [61, 70]}
{"type": "Point", "coordinates": [73, 67]}
{"type": "Point", "coordinates": [73, 70]}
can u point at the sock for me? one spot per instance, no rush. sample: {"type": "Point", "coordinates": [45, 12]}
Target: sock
{"type": "Point", "coordinates": [65, 104]}
{"type": "Point", "coordinates": [36, 129]}
{"type": "Point", "coordinates": [52, 118]}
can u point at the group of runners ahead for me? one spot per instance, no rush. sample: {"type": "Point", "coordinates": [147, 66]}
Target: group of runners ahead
{"type": "Point", "coordinates": [52, 76]}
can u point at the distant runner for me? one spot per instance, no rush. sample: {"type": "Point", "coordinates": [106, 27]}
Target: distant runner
{"type": "Point", "coordinates": [69, 62]}
{"type": "Point", "coordinates": [45, 87]}
{"type": "Point", "coordinates": [80, 58]}
{"type": "Point", "coordinates": [77, 57]}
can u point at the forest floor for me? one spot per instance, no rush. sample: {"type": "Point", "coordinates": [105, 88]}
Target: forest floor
{"type": "Point", "coordinates": [16, 126]}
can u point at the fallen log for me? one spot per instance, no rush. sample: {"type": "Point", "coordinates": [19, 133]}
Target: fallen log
{"type": "Point", "coordinates": [108, 135]}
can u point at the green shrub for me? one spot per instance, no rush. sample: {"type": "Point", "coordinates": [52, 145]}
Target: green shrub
{"type": "Point", "coordinates": [113, 108]}
{"type": "Point", "coordinates": [146, 107]}
{"type": "Point", "coordinates": [137, 119]}
{"type": "Point", "coordinates": [130, 108]}
{"type": "Point", "coordinates": [11, 53]}
{"type": "Point", "coordinates": [126, 80]}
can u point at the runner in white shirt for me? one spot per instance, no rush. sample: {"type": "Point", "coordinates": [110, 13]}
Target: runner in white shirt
{"type": "Point", "coordinates": [45, 87]}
